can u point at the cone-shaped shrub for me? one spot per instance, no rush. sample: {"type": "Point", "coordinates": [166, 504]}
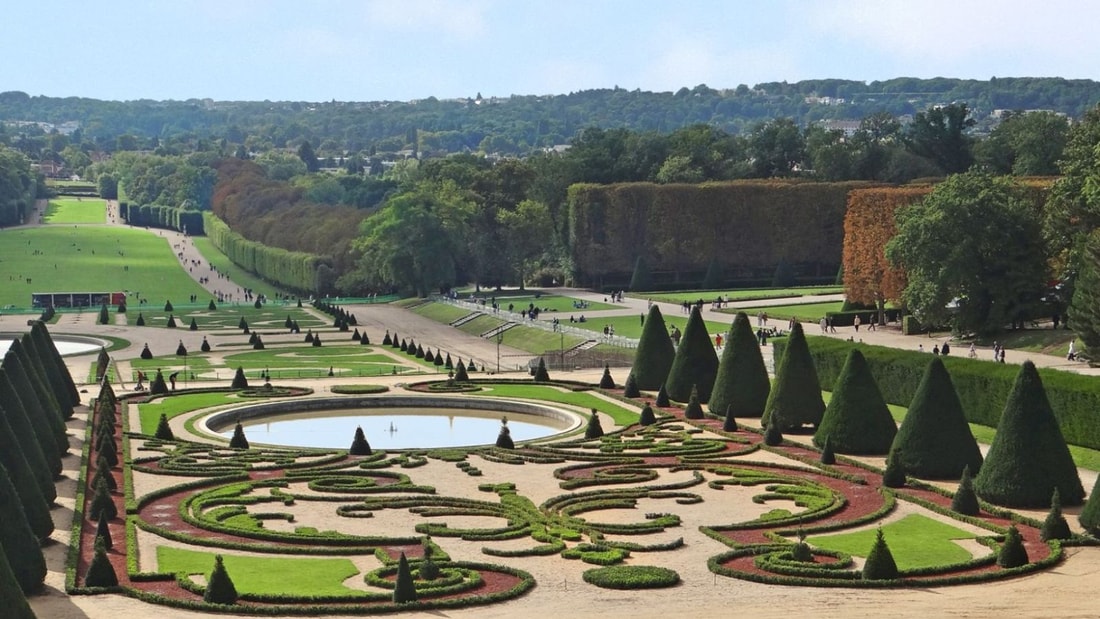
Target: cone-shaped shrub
{"type": "Point", "coordinates": [1055, 525]}
{"type": "Point", "coordinates": [18, 541]}
{"type": "Point", "coordinates": [164, 431]}
{"type": "Point", "coordinates": [828, 456]}
{"type": "Point", "coordinates": [158, 386]}
{"type": "Point", "coordinates": [1029, 457]}
{"type": "Point", "coordinates": [46, 345]}
{"type": "Point", "coordinates": [12, 598]}
{"type": "Point", "coordinates": [103, 471]}
{"type": "Point", "coordinates": [438, 361]}
{"type": "Point", "coordinates": [447, 363]}
{"type": "Point", "coordinates": [606, 382]}
{"type": "Point", "coordinates": [404, 589]}
{"type": "Point", "coordinates": [504, 437]}
{"type": "Point", "coordinates": [662, 398]}
{"type": "Point", "coordinates": [404, 345]}
{"type": "Point", "coordinates": [168, 306]}
{"type": "Point", "coordinates": [194, 325]}
{"type": "Point", "coordinates": [219, 586]}
{"type": "Point", "coordinates": [205, 345]}
{"type": "Point", "coordinates": [100, 571]}
{"type": "Point", "coordinates": [212, 306]}
{"type": "Point", "coordinates": [795, 399]}
{"type": "Point", "coordinates": [146, 353]}
{"type": "Point", "coordinates": [880, 563]}
{"type": "Point", "coordinates": [309, 336]}
{"type": "Point", "coordinates": [238, 441]}
{"type": "Point", "coordinates": [171, 324]}
{"type": "Point", "coordinates": [934, 437]}
{"type": "Point", "coordinates": [317, 340]}
{"type": "Point", "coordinates": [257, 304]}
{"type": "Point", "coordinates": [1012, 552]}
{"type": "Point", "coordinates": [857, 419]}
{"type": "Point", "coordinates": [541, 375]}
{"type": "Point", "coordinates": [299, 303]}
{"type": "Point", "coordinates": [359, 444]}
{"type": "Point", "coordinates": [295, 328]}
{"type": "Point", "coordinates": [428, 356]}
{"type": "Point", "coordinates": [259, 343]}
{"type": "Point", "coordinates": [630, 387]}
{"type": "Point", "coordinates": [364, 340]}
{"type": "Point", "coordinates": [288, 323]}
{"type": "Point", "coordinates": [240, 381]}
{"type": "Point", "coordinates": [460, 372]}
{"type": "Point", "coordinates": [23, 479]}
{"type": "Point", "coordinates": [395, 343]}
{"type": "Point", "coordinates": [655, 352]}
{"type": "Point", "coordinates": [356, 336]}
{"type": "Point", "coordinates": [647, 417]}
{"type": "Point", "coordinates": [181, 350]}
{"type": "Point", "coordinates": [140, 320]}
{"type": "Point", "coordinates": [1089, 518]}
{"type": "Point", "coordinates": [695, 363]}
{"type": "Point", "coordinates": [593, 429]}
{"type": "Point", "coordinates": [693, 410]}
{"type": "Point", "coordinates": [742, 382]}
{"type": "Point", "coordinates": [252, 337]}
{"type": "Point", "coordinates": [419, 351]}
{"type": "Point", "coordinates": [103, 532]}
{"type": "Point", "coordinates": [470, 367]}
{"type": "Point", "coordinates": [25, 439]}
{"type": "Point", "coordinates": [729, 422]}
{"type": "Point", "coordinates": [640, 278]}
{"type": "Point", "coordinates": [102, 502]}
{"type": "Point", "coordinates": [773, 436]}
{"type": "Point", "coordinates": [102, 362]}
{"type": "Point", "coordinates": [894, 475]}
{"type": "Point", "coordinates": [965, 501]}
{"type": "Point", "coordinates": [242, 324]}
{"type": "Point", "coordinates": [104, 315]}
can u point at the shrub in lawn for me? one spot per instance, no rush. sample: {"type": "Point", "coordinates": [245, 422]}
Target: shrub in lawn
{"type": "Point", "coordinates": [404, 589]}
{"type": "Point", "coordinates": [693, 410]}
{"type": "Point", "coordinates": [103, 505]}
{"type": "Point", "coordinates": [828, 456]}
{"type": "Point", "coordinates": [299, 303]}
{"type": "Point", "coordinates": [394, 343]}
{"type": "Point", "coordinates": [100, 572]}
{"type": "Point", "coordinates": [631, 577]}
{"type": "Point", "coordinates": [12, 598]}
{"type": "Point", "coordinates": [219, 586]}
{"type": "Point", "coordinates": [857, 419]}
{"type": "Point", "coordinates": [239, 440]}
{"type": "Point", "coordinates": [103, 532]}
{"type": "Point", "coordinates": [630, 387]}
{"type": "Point", "coordinates": [359, 444]}
{"type": "Point", "coordinates": [240, 381]}
{"type": "Point", "coordinates": [470, 367]}
{"type": "Point", "coordinates": [309, 336]}
{"type": "Point", "coordinates": [447, 363]}
{"type": "Point", "coordinates": [795, 398]}
{"type": "Point", "coordinates": [213, 307]}
{"type": "Point", "coordinates": [288, 323]}
{"type": "Point", "coordinates": [205, 345]}
{"type": "Point", "coordinates": [419, 351]}
{"type": "Point", "coordinates": [965, 501]}
{"type": "Point", "coordinates": [404, 345]}
{"type": "Point", "coordinates": [729, 422]}
{"type": "Point", "coordinates": [742, 381]}
{"type": "Point", "coordinates": [181, 350]}
{"type": "Point", "coordinates": [1012, 552]}
{"type": "Point", "coordinates": [364, 340]}
{"type": "Point", "coordinates": [438, 359]}
{"type": "Point", "coordinates": [158, 386]}
{"type": "Point", "coordinates": [168, 306]}
{"type": "Point", "coordinates": [695, 363]}
{"type": "Point", "coordinates": [934, 437]}
{"type": "Point", "coordinates": [104, 315]}
{"type": "Point", "coordinates": [252, 337]}
{"type": "Point", "coordinates": [257, 304]}
{"type": "Point", "coordinates": [171, 324]}
{"type": "Point", "coordinates": [593, 429]}
{"type": "Point", "coordinates": [356, 336]}
{"type": "Point", "coordinates": [295, 328]}
{"type": "Point", "coordinates": [103, 361]}
{"type": "Point", "coordinates": [647, 417]}
{"type": "Point", "coordinates": [894, 475]}
{"type": "Point", "coordinates": [880, 563]}
{"type": "Point", "coordinates": [460, 372]}
{"type": "Point", "coordinates": [17, 540]}
{"type": "Point", "coordinates": [1055, 525]}
{"type": "Point", "coordinates": [606, 382]}
{"type": "Point", "coordinates": [258, 344]}
{"type": "Point", "coordinates": [504, 438]}
{"type": "Point", "coordinates": [164, 431]}
{"type": "Point", "coordinates": [194, 326]}
{"type": "Point", "coordinates": [541, 375]}
{"type": "Point", "coordinates": [773, 436]}
{"type": "Point", "coordinates": [121, 308]}
{"type": "Point", "coordinates": [316, 341]}
{"type": "Point", "coordinates": [1089, 518]}
{"type": "Point", "coordinates": [140, 320]}
{"type": "Point", "coordinates": [655, 352]}
{"type": "Point", "coordinates": [662, 398]}
{"type": "Point", "coordinates": [1029, 457]}
{"type": "Point", "coordinates": [242, 324]}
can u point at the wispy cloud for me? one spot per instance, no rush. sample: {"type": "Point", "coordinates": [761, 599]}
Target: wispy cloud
{"type": "Point", "coordinates": [462, 20]}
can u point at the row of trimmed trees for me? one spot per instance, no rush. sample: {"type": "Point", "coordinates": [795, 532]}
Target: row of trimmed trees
{"type": "Point", "coordinates": [37, 396]}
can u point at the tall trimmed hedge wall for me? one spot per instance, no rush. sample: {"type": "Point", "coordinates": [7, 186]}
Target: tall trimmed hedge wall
{"type": "Point", "coordinates": [983, 386]}
{"type": "Point", "coordinates": [167, 217]}
{"type": "Point", "coordinates": [748, 227]}
{"type": "Point", "coordinates": [296, 270]}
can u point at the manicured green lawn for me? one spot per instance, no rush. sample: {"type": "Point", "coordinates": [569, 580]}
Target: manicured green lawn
{"type": "Point", "coordinates": [743, 294]}
{"type": "Point", "coordinates": [631, 326]}
{"type": "Point", "coordinates": [238, 275]}
{"type": "Point", "coordinates": [309, 360]}
{"type": "Point", "coordinates": [76, 211]}
{"type": "Point", "coordinates": [150, 413]}
{"type": "Point", "coordinates": [538, 341]}
{"type": "Point", "coordinates": [806, 312]}
{"type": "Point", "coordinates": [916, 541]}
{"type": "Point", "coordinates": [270, 318]}
{"type": "Point", "coordinates": [480, 325]}
{"type": "Point", "coordinates": [268, 575]}
{"type": "Point", "coordinates": [621, 414]}
{"type": "Point", "coordinates": [552, 303]}
{"type": "Point", "coordinates": [90, 259]}
{"type": "Point", "coordinates": [440, 312]}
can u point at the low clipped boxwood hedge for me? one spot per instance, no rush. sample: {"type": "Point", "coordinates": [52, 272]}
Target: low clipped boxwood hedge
{"type": "Point", "coordinates": [359, 389]}
{"type": "Point", "coordinates": [848, 318]}
{"type": "Point", "coordinates": [982, 386]}
{"type": "Point", "coordinates": [631, 577]}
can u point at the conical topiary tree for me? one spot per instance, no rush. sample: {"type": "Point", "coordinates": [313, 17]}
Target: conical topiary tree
{"type": "Point", "coordinates": [641, 278]}
{"type": "Point", "coordinates": [359, 444]}
{"type": "Point", "coordinates": [100, 571]}
{"type": "Point", "coordinates": [693, 410]}
{"type": "Point", "coordinates": [308, 339]}
{"type": "Point", "coordinates": [158, 386]}
{"type": "Point", "coordinates": [504, 437]}
{"type": "Point", "coordinates": [880, 563]}
{"type": "Point", "coordinates": [429, 356]}
{"type": "Point", "coordinates": [1012, 553]}
{"type": "Point", "coordinates": [181, 350]}
{"type": "Point", "coordinates": [26, 483]}
{"type": "Point", "coordinates": [102, 362]}
{"type": "Point", "coordinates": [365, 341]}
{"type": "Point", "coordinates": [103, 471]}
{"type": "Point", "coordinates": [103, 532]}
{"type": "Point", "coordinates": [316, 341]}
{"type": "Point", "coordinates": [460, 372]}
{"type": "Point", "coordinates": [171, 324]}
{"type": "Point", "coordinates": [356, 336]}
{"type": "Point", "coordinates": [168, 306]}
{"type": "Point", "coordinates": [242, 324]}
{"type": "Point", "coordinates": [219, 586]}
{"type": "Point", "coordinates": [828, 456]}
{"type": "Point", "coordinates": [894, 475]}
{"type": "Point", "coordinates": [662, 398]}
{"type": "Point", "coordinates": [593, 429]}
{"type": "Point", "coordinates": [205, 347]}
{"type": "Point", "coordinates": [146, 353]}
{"type": "Point", "coordinates": [695, 364]}
{"type": "Point", "coordinates": [104, 315]}
{"type": "Point", "coordinates": [470, 367]}
{"type": "Point", "coordinates": [18, 541]}
{"type": "Point", "coordinates": [24, 438]}
{"type": "Point", "coordinates": [773, 436]}
{"type": "Point", "coordinates": [630, 387]}
{"type": "Point", "coordinates": [934, 438]}
{"type": "Point", "coordinates": [1055, 525]}
{"type": "Point", "coordinates": [103, 504]}
{"type": "Point", "coordinates": [140, 320]}
{"type": "Point", "coordinates": [857, 420]}
{"type": "Point", "coordinates": [240, 381]}
{"type": "Point", "coordinates": [419, 354]}
{"type": "Point", "coordinates": [12, 598]}
{"type": "Point", "coordinates": [729, 422]}
{"type": "Point", "coordinates": [239, 440]}
{"type": "Point", "coordinates": [164, 431]}
{"type": "Point", "coordinates": [647, 417]}
{"type": "Point", "coordinates": [965, 501]}
{"type": "Point", "coordinates": [606, 382]}
{"type": "Point", "coordinates": [259, 343]}
{"type": "Point", "coordinates": [742, 384]}
{"type": "Point", "coordinates": [404, 589]}
{"type": "Point", "coordinates": [1028, 458]}
{"type": "Point", "coordinates": [447, 363]}
{"type": "Point", "coordinates": [194, 326]}
{"type": "Point", "coordinates": [212, 306]}
{"type": "Point", "coordinates": [541, 375]}
{"type": "Point", "coordinates": [655, 352]}
{"type": "Point", "coordinates": [1089, 518]}
{"type": "Point", "coordinates": [795, 399]}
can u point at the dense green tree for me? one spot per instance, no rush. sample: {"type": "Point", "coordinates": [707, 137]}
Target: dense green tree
{"type": "Point", "coordinates": [1073, 209]}
{"type": "Point", "coordinates": [1084, 308]}
{"type": "Point", "coordinates": [630, 387]}
{"type": "Point", "coordinates": [11, 407]}
{"type": "Point", "coordinates": [939, 135]}
{"type": "Point", "coordinates": [19, 399]}
{"type": "Point", "coordinates": [655, 352]}
{"type": "Point", "coordinates": [359, 444]}
{"type": "Point", "coordinates": [742, 385]}
{"type": "Point", "coordinates": [103, 504]}
{"type": "Point", "coordinates": [965, 500]}
{"type": "Point", "coordinates": [238, 440]}
{"type": "Point", "coordinates": [528, 233]}
{"type": "Point", "coordinates": [693, 410]}
{"type": "Point", "coordinates": [934, 438]}
{"type": "Point", "coordinates": [593, 429]}
{"type": "Point", "coordinates": [894, 474]}
{"type": "Point", "coordinates": [17, 541]}
{"type": "Point", "coordinates": [308, 157]}
{"type": "Point", "coordinates": [219, 586]}
{"type": "Point", "coordinates": [647, 416]}
{"type": "Point", "coordinates": [880, 564]}
{"type": "Point", "coordinates": [856, 420]}
{"type": "Point", "coordinates": [461, 375]}
{"type": "Point", "coordinates": [12, 598]}
{"type": "Point", "coordinates": [45, 343]}
{"type": "Point", "coordinates": [164, 431]}
{"type": "Point", "coordinates": [606, 381]}
{"type": "Point", "coordinates": [23, 479]}
{"type": "Point", "coordinates": [240, 381]}
{"type": "Point", "coordinates": [1028, 458]}
{"type": "Point", "coordinates": [974, 242]}
{"type": "Point", "coordinates": [404, 589]}
{"type": "Point", "coordinates": [1055, 525]}
{"type": "Point", "coordinates": [103, 532]}
{"type": "Point", "coordinates": [795, 399]}
{"type": "Point", "coordinates": [100, 571]}
{"type": "Point", "coordinates": [1012, 552]}
{"type": "Point", "coordinates": [695, 365]}
{"type": "Point", "coordinates": [1025, 144]}
{"type": "Point", "coordinates": [776, 148]}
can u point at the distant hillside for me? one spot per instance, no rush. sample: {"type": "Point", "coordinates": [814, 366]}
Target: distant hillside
{"type": "Point", "coordinates": [522, 123]}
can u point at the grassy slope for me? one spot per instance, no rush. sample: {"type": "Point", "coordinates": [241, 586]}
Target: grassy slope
{"type": "Point", "coordinates": [76, 211]}
{"type": "Point", "coordinates": [224, 265]}
{"type": "Point", "coordinates": [742, 294]}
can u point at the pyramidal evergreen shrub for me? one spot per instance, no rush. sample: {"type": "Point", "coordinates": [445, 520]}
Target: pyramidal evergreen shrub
{"type": "Point", "coordinates": [857, 419]}
{"type": "Point", "coordinates": [729, 423]}
{"type": "Point", "coordinates": [965, 501]}
{"type": "Point", "coordinates": [205, 347]}
{"type": "Point", "coordinates": [460, 372]}
{"type": "Point", "coordinates": [359, 444]}
{"type": "Point", "coordinates": [1089, 518]}
{"type": "Point", "coordinates": [146, 353]}
{"type": "Point", "coordinates": [828, 456]}
{"type": "Point", "coordinates": [12, 598]}
{"type": "Point", "coordinates": [171, 324]}
{"type": "Point", "coordinates": [211, 306]}
{"type": "Point", "coordinates": [695, 363]}
{"type": "Point", "coordinates": [541, 375]}
{"type": "Point", "coordinates": [894, 475]}
{"type": "Point", "coordinates": [240, 381]}
{"type": "Point", "coordinates": [630, 387]}
{"type": "Point", "coordinates": [24, 480]}
{"type": "Point", "coordinates": [1055, 525]}
{"type": "Point", "coordinates": [1012, 553]}
{"type": "Point", "coordinates": [662, 398]}
{"type": "Point", "coordinates": [164, 431]}
{"type": "Point", "coordinates": [100, 571]}
{"type": "Point", "coordinates": [504, 438]}
{"type": "Point", "coordinates": [239, 440]}
{"type": "Point", "coordinates": [103, 532]}
{"type": "Point", "coordinates": [655, 352]}
{"type": "Point", "coordinates": [168, 306]}
{"type": "Point", "coordinates": [1028, 458]}
{"type": "Point", "coordinates": [104, 315]}
{"type": "Point", "coordinates": [140, 320]}
{"type": "Point", "coordinates": [593, 429]}
{"type": "Point", "coordinates": [158, 386]}
{"type": "Point", "coordinates": [606, 382]}
{"type": "Point", "coordinates": [219, 586]}
{"type": "Point", "coordinates": [795, 399]}
{"type": "Point", "coordinates": [880, 563]}
{"type": "Point", "coordinates": [742, 383]}
{"type": "Point", "coordinates": [647, 417]}
{"type": "Point", "coordinates": [773, 437]}
{"type": "Point", "coordinates": [404, 589]}
{"type": "Point", "coordinates": [934, 438]}
{"type": "Point", "coordinates": [103, 504]}
{"type": "Point", "coordinates": [18, 541]}
{"type": "Point", "coordinates": [693, 410]}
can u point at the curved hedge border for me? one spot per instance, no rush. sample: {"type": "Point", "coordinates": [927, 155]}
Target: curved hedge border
{"type": "Point", "coordinates": [358, 389]}
{"type": "Point", "coordinates": [631, 577]}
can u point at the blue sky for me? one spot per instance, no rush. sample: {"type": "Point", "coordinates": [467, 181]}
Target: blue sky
{"type": "Point", "coordinates": [364, 50]}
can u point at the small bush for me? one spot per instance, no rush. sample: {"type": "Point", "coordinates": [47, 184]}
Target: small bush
{"type": "Point", "coordinates": [693, 410]}
{"type": "Point", "coordinates": [404, 590]}
{"type": "Point", "coordinates": [240, 381]}
{"type": "Point", "coordinates": [965, 501]}
{"type": "Point", "coordinates": [594, 429]}
{"type": "Point", "coordinates": [662, 398]}
{"type": "Point", "coordinates": [880, 563]}
{"type": "Point", "coordinates": [239, 440]}
{"type": "Point", "coordinates": [1012, 553]}
{"type": "Point", "coordinates": [359, 444]}
{"type": "Point", "coordinates": [630, 388]}
{"type": "Point", "coordinates": [631, 577]}
{"type": "Point", "coordinates": [100, 572]}
{"type": "Point", "coordinates": [606, 382]}
{"type": "Point", "coordinates": [1055, 525]}
{"type": "Point", "coordinates": [219, 586]}
{"type": "Point", "coordinates": [541, 375]}
{"type": "Point", "coordinates": [647, 418]}
{"type": "Point", "coordinates": [164, 431]}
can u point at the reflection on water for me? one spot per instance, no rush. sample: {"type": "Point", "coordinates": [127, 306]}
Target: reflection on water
{"type": "Point", "coordinates": [395, 428]}
{"type": "Point", "coordinates": [65, 347]}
